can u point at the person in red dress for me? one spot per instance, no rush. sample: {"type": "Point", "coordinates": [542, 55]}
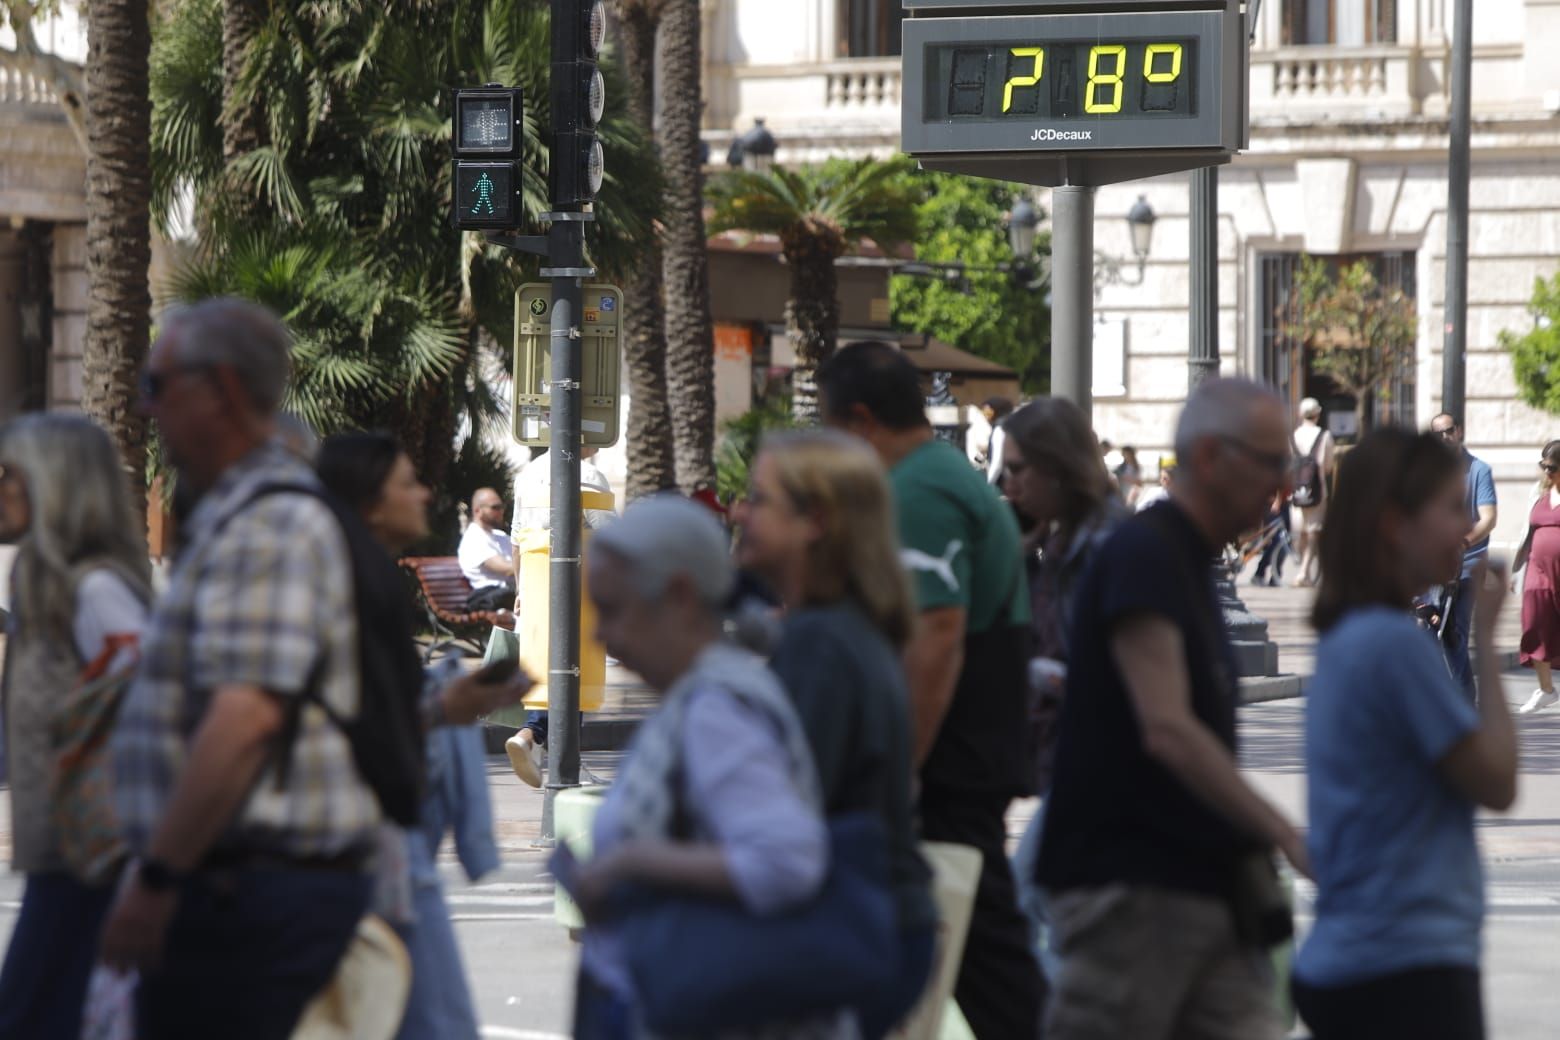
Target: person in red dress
{"type": "Point", "coordinates": [1540, 554]}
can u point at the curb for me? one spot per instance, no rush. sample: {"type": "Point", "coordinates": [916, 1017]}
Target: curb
{"type": "Point", "coordinates": [1261, 689]}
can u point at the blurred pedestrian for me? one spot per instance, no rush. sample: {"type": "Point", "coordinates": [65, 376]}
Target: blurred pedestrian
{"type": "Point", "coordinates": [1482, 516]}
{"type": "Point", "coordinates": [369, 473]}
{"type": "Point", "coordinates": [486, 555]}
{"type": "Point", "coordinates": [1314, 453]}
{"type": "Point", "coordinates": [1057, 480]}
{"type": "Point", "coordinates": [1276, 529]}
{"type": "Point", "coordinates": [1161, 489]}
{"type": "Point", "coordinates": [996, 411]}
{"type": "Point", "coordinates": [1397, 760]}
{"type": "Point", "coordinates": [818, 524]}
{"type": "Point", "coordinates": [1539, 562]}
{"type": "Point", "coordinates": [1129, 476]}
{"type": "Point", "coordinates": [966, 665]}
{"type": "Point", "coordinates": [1150, 825]}
{"type": "Point", "coordinates": [718, 795]}
{"type": "Point", "coordinates": [79, 591]}
{"type": "Point", "coordinates": [250, 878]}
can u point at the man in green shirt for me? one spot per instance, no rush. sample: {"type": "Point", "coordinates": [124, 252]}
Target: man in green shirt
{"type": "Point", "coordinates": [965, 666]}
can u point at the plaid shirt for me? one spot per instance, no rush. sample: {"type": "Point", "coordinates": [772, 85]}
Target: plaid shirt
{"type": "Point", "coordinates": [264, 599]}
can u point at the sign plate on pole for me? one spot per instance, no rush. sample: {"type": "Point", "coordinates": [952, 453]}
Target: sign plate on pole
{"type": "Point", "coordinates": [601, 332]}
{"type": "Point", "coordinates": [1074, 92]}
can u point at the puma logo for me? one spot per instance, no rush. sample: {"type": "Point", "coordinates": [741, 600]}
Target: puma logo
{"type": "Point", "coordinates": [916, 560]}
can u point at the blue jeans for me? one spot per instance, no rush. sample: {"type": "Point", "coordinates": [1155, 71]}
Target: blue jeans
{"type": "Point", "coordinates": [247, 950]}
{"type": "Point", "coordinates": [439, 1007]}
{"type": "Point", "coordinates": [1454, 637]}
{"type": "Point", "coordinates": [53, 948]}
{"type": "Point", "coordinates": [536, 722]}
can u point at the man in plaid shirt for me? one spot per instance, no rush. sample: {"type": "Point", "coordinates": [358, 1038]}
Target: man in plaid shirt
{"type": "Point", "coordinates": [250, 879]}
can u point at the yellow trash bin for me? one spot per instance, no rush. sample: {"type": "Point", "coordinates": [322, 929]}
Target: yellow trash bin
{"type": "Point", "coordinates": [574, 813]}
{"type": "Point", "coordinates": [533, 550]}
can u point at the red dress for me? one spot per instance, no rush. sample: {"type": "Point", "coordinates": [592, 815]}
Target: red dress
{"type": "Point", "coordinates": [1541, 587]}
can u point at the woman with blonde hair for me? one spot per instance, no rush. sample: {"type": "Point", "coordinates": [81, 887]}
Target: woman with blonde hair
{"type": "Point", "coordinates": [818, 525]}
{"type": "Point", "coordinates": [80, 585]}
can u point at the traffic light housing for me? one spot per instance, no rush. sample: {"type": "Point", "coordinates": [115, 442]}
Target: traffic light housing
{"type": "Point", "coordinates": [578, 100]}
{"type": "Point", "coordinates": [487, 137]}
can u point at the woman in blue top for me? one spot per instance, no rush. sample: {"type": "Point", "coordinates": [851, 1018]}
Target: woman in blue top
{"type": "Point", "coordinates": [1398, 760]}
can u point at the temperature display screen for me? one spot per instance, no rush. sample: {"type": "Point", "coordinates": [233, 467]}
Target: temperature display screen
{"type": "Point", "coordinates": [1062, 80]}
{"type": "Point", "coordinates": [487, 123]}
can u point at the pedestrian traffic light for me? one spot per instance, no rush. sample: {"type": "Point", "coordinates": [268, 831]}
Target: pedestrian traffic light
{"type": "Point", "coordinates": [487, 138]}
{"type": "Point", "coordinates": [579, 99]}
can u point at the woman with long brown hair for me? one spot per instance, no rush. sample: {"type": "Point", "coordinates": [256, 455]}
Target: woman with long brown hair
{"type": "Point", "coordinates": [1396, 758]}
{"type": "Point", "coordinates": [1539, 558]}
{"type": "Point", "coordinates": [818, 525]}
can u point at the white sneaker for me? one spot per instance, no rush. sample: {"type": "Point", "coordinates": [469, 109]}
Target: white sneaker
{"type": "Point", "coordinates": [526, 759]}
{"type": "Point", "coordinates": [1539, 701]}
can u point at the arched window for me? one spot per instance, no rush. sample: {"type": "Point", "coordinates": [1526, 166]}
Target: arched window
{"type": "Point", "coordinates": [870, 28]}
{"type": "Point", "coordinates": [1344, 23]}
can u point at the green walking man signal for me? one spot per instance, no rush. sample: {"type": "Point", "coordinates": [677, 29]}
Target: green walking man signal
{"type": "Point", "coordinates": [484, 191]}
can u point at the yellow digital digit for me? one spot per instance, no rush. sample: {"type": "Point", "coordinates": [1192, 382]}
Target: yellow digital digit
{"type": "Point", "coordinates": [1154, 51]}
{"type": "Point", "coordinates": [1038, 54]}
{"type": "Point", "coordinates": [1098, 79]}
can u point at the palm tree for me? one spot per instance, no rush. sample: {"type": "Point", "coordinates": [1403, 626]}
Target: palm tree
{"type": "Point", "coordinates": [651, 463]}
{"type": "Point", "coordinates": [241, 23]}
{"type": "Point", "coordinates": [119, 245]}
{"type": "Point", "coordinates": [818, 214]}
{"type": "Point", "coordinates": [690, 330]}
{"type": "Point", "coordinates": [338, 216]}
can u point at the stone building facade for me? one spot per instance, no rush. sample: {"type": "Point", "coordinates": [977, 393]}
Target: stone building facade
{"type": "Point", "coordinates": [1349, 102]}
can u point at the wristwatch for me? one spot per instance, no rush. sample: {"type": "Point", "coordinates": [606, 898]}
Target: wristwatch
{"type": "Point", "coordinates": [158, 876]}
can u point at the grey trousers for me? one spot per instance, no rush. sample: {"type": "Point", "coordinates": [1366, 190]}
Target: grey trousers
{"type": "Point", "coordinates": [1153, 964]}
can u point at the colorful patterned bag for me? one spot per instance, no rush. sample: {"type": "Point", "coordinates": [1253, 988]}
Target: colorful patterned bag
{"type": "Point", "coordinates": [81, 793]}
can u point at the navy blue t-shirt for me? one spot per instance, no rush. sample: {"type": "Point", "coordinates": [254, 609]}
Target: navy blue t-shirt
{"type": "Point", "coordinates": [1115, 814]}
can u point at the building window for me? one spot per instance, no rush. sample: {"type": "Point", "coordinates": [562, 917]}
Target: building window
{"type": "Point", "coordinates": [1286, 365]}
{"type": "Point", "coordinates": [1343, 23]}
{"type": "Point", "coordinates": [871, 28]}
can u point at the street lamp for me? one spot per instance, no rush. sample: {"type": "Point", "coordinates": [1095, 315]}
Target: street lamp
{"type": "Point", "coordinates": [755, 150]}
{"type": "Point", "coordinates": [1023, 226]}
{"type": "Point", "coordinates": [1140, 219]}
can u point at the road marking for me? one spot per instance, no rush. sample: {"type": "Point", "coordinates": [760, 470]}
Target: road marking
{"type": "Point", "coordinates": [505, 1033]}
{"type": "Point", "coordinates": [502, 917]}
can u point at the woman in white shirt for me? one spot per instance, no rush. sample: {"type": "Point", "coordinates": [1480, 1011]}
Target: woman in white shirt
{"type": "Point", "coordinates": [79, 592]}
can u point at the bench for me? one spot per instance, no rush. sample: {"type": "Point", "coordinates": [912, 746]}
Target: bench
{"type": "Point", "coordinates": [444, 593]}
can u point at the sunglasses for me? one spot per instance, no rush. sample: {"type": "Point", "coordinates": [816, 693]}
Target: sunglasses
{"type": "Point", "coordinates": [1269, 461]}
{"type": "Point", "coordinates": [1446, 434]}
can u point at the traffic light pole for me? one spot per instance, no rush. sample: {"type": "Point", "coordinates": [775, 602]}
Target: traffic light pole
{"type": "Point", "coordinates": [566, 258]}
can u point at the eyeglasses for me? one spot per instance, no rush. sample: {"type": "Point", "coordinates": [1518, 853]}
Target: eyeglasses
{"type": "Point", "coordinates": [1446, 434]}
{"type": "Point", "coordinates": [1273, 462]}
{"type": "Point", "coordinates": [1545, 466]}
{"type": "Point", "coordinates": [154, 384]}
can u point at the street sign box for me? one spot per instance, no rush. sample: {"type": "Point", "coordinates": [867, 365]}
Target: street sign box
{"type": "Point", "coordinates": [1081, 92]}
{"type": "Point", "coordinates": [601, 359]}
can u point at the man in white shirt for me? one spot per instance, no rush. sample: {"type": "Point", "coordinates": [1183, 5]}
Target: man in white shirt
{"type": "Point", "coordinates": [1311, 444]}
{"type": "Point", "coordinates": [486, 554]}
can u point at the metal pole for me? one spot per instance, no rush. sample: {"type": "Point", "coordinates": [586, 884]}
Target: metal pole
{"type": "Point", "coordinates": [1072, 296]}
{"type": "Point", "coordinates": [563, 601]}
{"type": "Point", "coordinates": [1454, 354]}
{"type": "Point", "coordinates": [1204, 364]}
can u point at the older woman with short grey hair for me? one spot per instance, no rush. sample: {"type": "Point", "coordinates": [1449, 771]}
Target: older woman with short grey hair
{"type": "Point", "coordinates": [79, 591]}
{"type": "Point", "coordinates": [723, 752]}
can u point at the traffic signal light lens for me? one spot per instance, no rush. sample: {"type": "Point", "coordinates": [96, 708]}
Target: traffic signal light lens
{"type": "Point", "coordinates": [484, 194]}
{"type": "Point", "coordinates": [596, 27]}
{"type": "Point", "coordinates": [486, 123]}
{"type": "Point", "coordinates": [595, 167]}
{"type": "Point", "coordinates": [596, 97]}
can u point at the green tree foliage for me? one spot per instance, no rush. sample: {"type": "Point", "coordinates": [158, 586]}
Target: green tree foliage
{"type": "Point", "coordinates": [1357, 332]}
{"type": "Point", "coordinates": [339, 216]}
{"type": "Point", "coordinates": [988, 313]}
{"type": "Point", "coordinates": [1535, 355]}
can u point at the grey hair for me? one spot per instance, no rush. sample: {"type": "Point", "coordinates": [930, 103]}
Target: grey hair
{"type": "Point", "coordinates": [664, 536]}
{"type": "Point", "coordinates": [1310, 408]}
{"type": "Point", "coordinates": [1219, 408]}
{"type": "Point", "coordinates": [242, 335]}
{"type": "Point", "coordinates": [78, 498]}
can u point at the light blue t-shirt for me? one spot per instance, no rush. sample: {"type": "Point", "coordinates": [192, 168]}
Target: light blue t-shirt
{"type": "Point", "coordinates": [1399, 884]}
{"type": "Point", "coordinates": [1481, 492]}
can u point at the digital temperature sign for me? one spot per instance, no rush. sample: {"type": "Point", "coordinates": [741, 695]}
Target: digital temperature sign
{"type": "Point", "coordinates": [1073, 91]}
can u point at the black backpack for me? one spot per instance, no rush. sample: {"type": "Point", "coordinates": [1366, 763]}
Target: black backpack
{"type": "Point", "coordinates": [1308, 475]}
{"type": "Point", "coordinates": [386, 734]}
